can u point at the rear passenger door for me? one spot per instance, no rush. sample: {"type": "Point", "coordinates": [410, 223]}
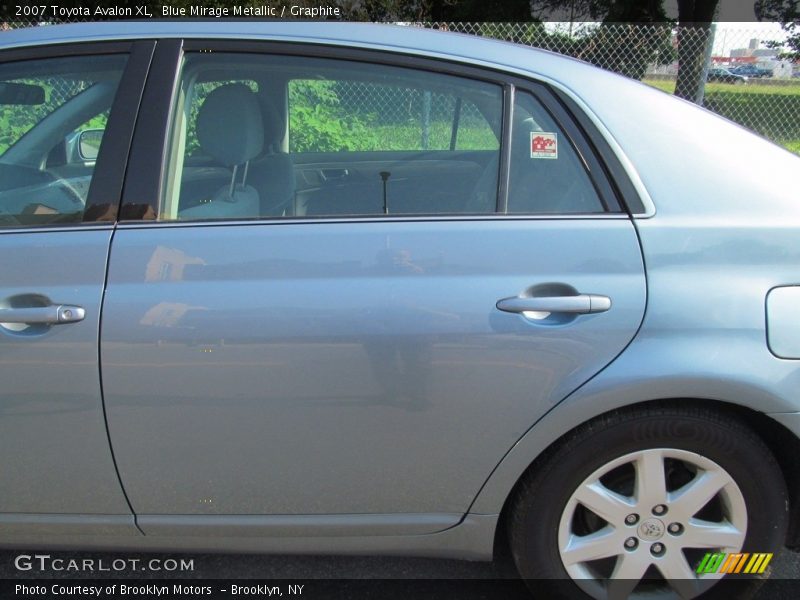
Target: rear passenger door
{"type": "Point", "coordinates": [366, 347]}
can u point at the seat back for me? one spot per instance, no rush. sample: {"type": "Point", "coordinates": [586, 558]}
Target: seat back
{"type": "Point", "coordinates": [272, 174]}
{"type": "Point", "coordinates": [230, 129]}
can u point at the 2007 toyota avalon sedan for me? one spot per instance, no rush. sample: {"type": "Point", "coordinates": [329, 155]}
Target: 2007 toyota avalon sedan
{"type": "Point", "coordinates": [344, 288]}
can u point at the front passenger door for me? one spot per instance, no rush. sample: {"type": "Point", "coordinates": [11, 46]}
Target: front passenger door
{"type": "Point", "coordinates": [56, 223]}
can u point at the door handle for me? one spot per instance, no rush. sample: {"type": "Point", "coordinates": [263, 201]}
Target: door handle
{"type": "Point", "coordinates": [582, 304]}
{"type": "Point", "coordinates": [53, 314]}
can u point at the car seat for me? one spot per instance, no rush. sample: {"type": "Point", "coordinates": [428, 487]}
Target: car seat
{"type": "Point", "coordinates": [230, 129]}
{"type": "Point", "coordinates": [272, 173]}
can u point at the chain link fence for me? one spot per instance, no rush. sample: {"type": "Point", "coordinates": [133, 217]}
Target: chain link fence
{"type": "Point", "coordinates": [735, 70]}
{"type": "Point", "coordinates": [397, 106]}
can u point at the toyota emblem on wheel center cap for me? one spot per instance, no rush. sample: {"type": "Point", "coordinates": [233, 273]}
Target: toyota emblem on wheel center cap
{"type": "Point", "coordinates": [651, 530]}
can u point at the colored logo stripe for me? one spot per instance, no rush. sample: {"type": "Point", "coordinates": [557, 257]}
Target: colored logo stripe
{"type": "Point", "coordinates": [743, 562]}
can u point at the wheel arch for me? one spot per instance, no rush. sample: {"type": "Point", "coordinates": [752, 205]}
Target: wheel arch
{"type": "Point", "coordinates": [783, 444]}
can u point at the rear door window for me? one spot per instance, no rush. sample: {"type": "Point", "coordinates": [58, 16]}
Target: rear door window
{"type": "Point", "coordinates": [382, 140]}
{"type": "Point", "coordinates": [340, 115]}
{"type": "Point", "coordinates": [260, 136]}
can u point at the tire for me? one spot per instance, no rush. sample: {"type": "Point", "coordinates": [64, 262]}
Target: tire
{"type": "Point", "coordinates": [613, 464]}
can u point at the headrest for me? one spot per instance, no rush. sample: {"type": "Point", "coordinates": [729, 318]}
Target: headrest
{"type": "Point", "coordinates": [229, 125]}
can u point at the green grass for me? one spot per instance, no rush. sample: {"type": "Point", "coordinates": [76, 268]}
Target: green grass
{"type": "Point", "coordinates": [793, 146]}
{"type": "Point", "coordinates": [665, 85]}
{"type": "Point", "coordinates": [409, 137]}
{"type": "Point", "coordinates": [754, 88]}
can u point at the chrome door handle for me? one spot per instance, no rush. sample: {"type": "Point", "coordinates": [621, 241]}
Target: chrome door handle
{"type": "Point", "coordinates": [581, 304]}
{"type": "Point", "coordinates": [53, 314]}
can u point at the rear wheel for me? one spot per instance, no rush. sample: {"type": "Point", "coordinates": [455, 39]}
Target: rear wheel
{"type": "Point", "coordinates": [629, 504]}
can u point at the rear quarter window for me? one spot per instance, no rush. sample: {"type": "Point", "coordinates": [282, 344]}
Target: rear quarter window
{"type": "Point", "coordinates": [547, 174]}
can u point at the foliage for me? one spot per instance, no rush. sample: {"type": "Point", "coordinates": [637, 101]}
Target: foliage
{"type": "Point", "coordinates": [605, 45]}
{"type": "Point", "coordinates": [786, 12]}
{"type": "Point", "coordinates": [629, 11]}
{"type": "Point", "coordinates": [331, 116]}
{"type": "Point", "coordinates": [16, 120]}
{"type": "Point", "coordinates": [318, 124]}
{"type": "Point", "coordinates": [481, 10]}
{"type": "Point", "coordinates": [534, 34]}
{"type": "Point", "coordinates": [407, 137]}
{"type": "Point", "coordinates": [631, 52]}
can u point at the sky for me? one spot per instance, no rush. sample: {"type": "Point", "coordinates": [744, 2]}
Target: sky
{"type": "Point", "coordinates": [728, 35]}
{"type": "Point", "coordinates": [737, 35]}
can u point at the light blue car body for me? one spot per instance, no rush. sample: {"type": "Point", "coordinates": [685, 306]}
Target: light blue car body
{"type": "Point", "coordinates": [348, 385]}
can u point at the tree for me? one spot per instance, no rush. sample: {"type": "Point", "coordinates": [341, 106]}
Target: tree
{"type": "Point", "coordinates": [694, 32]}
{"type": "Point", "coordinates": [787, 13]}
{"type": "Point", "coordinates": [630, 54]}
{"type": "Point", "coordinates": [481, 10]}
{"type": "Point", "coordinates": [628, 48]}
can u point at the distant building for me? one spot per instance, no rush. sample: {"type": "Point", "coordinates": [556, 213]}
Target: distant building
{"type": "Point", "coordinates": [753, 50]}
{"type": "Point", "coordinates": [765, 53]}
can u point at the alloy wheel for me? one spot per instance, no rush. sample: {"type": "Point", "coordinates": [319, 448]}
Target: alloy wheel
{"type": "Point", "coordinates": [638, 526]}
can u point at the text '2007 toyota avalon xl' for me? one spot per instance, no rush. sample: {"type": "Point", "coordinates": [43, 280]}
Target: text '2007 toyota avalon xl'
{"type": "Point", "coordinates": [345, 288]}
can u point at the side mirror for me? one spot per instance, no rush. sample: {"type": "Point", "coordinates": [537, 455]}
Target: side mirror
{"type": "Point", "coordinates": [89, 143]}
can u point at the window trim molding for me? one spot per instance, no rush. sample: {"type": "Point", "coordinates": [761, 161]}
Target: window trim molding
{"type": "Point", "coordinates": [112, 162]}
{"type": "Point", "coordinates": [396, 219]}
{"type": "Point", "coordinates": [146, 172]}
{"type": "Point", "coordinates": [504, 168]}
{"type": "Point", "coordinates": [109, 171]}
{"type": "Point", "coordinates": [175, 48]}
{"type": "Point", "coordinates": [616, 175]}
{"type": "Point", "coordinates": [66, 50]}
